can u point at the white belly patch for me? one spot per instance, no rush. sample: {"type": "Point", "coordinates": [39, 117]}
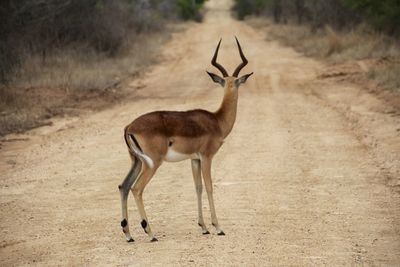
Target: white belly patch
{"type": "Point", "coordinates": [173, 156]}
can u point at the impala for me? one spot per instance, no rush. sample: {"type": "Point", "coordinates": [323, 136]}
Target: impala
{"type": "Point", "coordinates": [178, 135]}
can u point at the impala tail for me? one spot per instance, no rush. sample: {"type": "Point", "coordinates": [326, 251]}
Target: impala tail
{"type": "Point", "coordinates": [135, 150]}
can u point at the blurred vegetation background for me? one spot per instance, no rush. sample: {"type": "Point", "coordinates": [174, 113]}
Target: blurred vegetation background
{"type": "Point", "coordinates": [38, 27]}
{"type": "Point", "coordinates": [347, 32]}
{"type": "Point", "coordinates": [383, 15]}
{"type": "Point", "coordinates": [57, 55]}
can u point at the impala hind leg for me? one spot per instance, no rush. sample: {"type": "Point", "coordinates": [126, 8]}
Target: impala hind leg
{"type": "Point", "coordinates": [206, 170]}
{"type": "Point", "coordinates": [124, 192]}
{"type": "Point", "coordinates": [196, 170]}
{"type": "Point", "coordinates": [137, 190]}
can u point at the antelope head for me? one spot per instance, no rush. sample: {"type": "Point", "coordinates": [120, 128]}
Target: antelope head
{"type": "Point", "coordinates": [226, 81]}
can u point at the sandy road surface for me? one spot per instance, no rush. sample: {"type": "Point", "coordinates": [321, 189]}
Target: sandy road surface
{"type": "Point", "coordinates": [295, 184]}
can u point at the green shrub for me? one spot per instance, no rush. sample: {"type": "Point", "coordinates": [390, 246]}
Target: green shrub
{"type": "Point", "coordinates": [383, 14]}
{"type": "Point", "coordinates": [244, 8]}
{"type": "Point", "coordinates": [190, 9]}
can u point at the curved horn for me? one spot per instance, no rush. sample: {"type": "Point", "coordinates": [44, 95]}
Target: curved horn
{"type": "Point", "coordinates": [244, 63]}
{"type": "Point", "coordinates": [215, 64]}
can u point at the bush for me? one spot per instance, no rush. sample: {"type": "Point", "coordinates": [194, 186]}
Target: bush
{"type": "Point", "coordinates": [383, 14]}
{"type": "Point", "coordinates": [244, 8]}
{"type": "Point", "coordinates": [189, 9]}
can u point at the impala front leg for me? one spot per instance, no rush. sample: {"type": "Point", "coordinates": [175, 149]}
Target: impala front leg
{"type": "Point", "coordinates": [196, 170]}
{"type": "Point", "coordinates": [206, 170]}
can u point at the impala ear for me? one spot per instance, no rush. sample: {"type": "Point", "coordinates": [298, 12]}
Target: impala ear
{"type": "Point", "coordinates": [217, 79]}
{"type": "Point", "coordinates": [242, 79]}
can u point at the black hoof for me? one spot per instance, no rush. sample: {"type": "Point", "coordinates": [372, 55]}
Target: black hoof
{"type": "Point", "coordinates": [131, 240]}
{"type": "Point", "coordinates": [206, 233]}
{"type": "Point", "coordinates": [154, 239]}
{"type": "Point", "coordinates": [144, 225]}
{"type": "Point", "coordinates": [221, 233]}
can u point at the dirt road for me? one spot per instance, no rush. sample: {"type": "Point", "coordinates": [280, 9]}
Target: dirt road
{"type": "Point", "coordinates": [296, 183]}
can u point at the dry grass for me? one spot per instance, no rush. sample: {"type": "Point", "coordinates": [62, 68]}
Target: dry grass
{"type": "Point", "coordinates": [388, 77]}
{"type": "Point", "coordinates": [326, 43]}
{"type": "Point", "coordinates": [338, 47]}
{"type": "Point", "coordinates": [84, 68]}
{"type": "Point", "coordinates": [66, 78]}
{"type": "Point", "coordinates": [334, 41]}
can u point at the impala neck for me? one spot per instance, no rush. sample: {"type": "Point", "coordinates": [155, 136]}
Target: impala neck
{"type": "Point", "coordinates": [226, 114]}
